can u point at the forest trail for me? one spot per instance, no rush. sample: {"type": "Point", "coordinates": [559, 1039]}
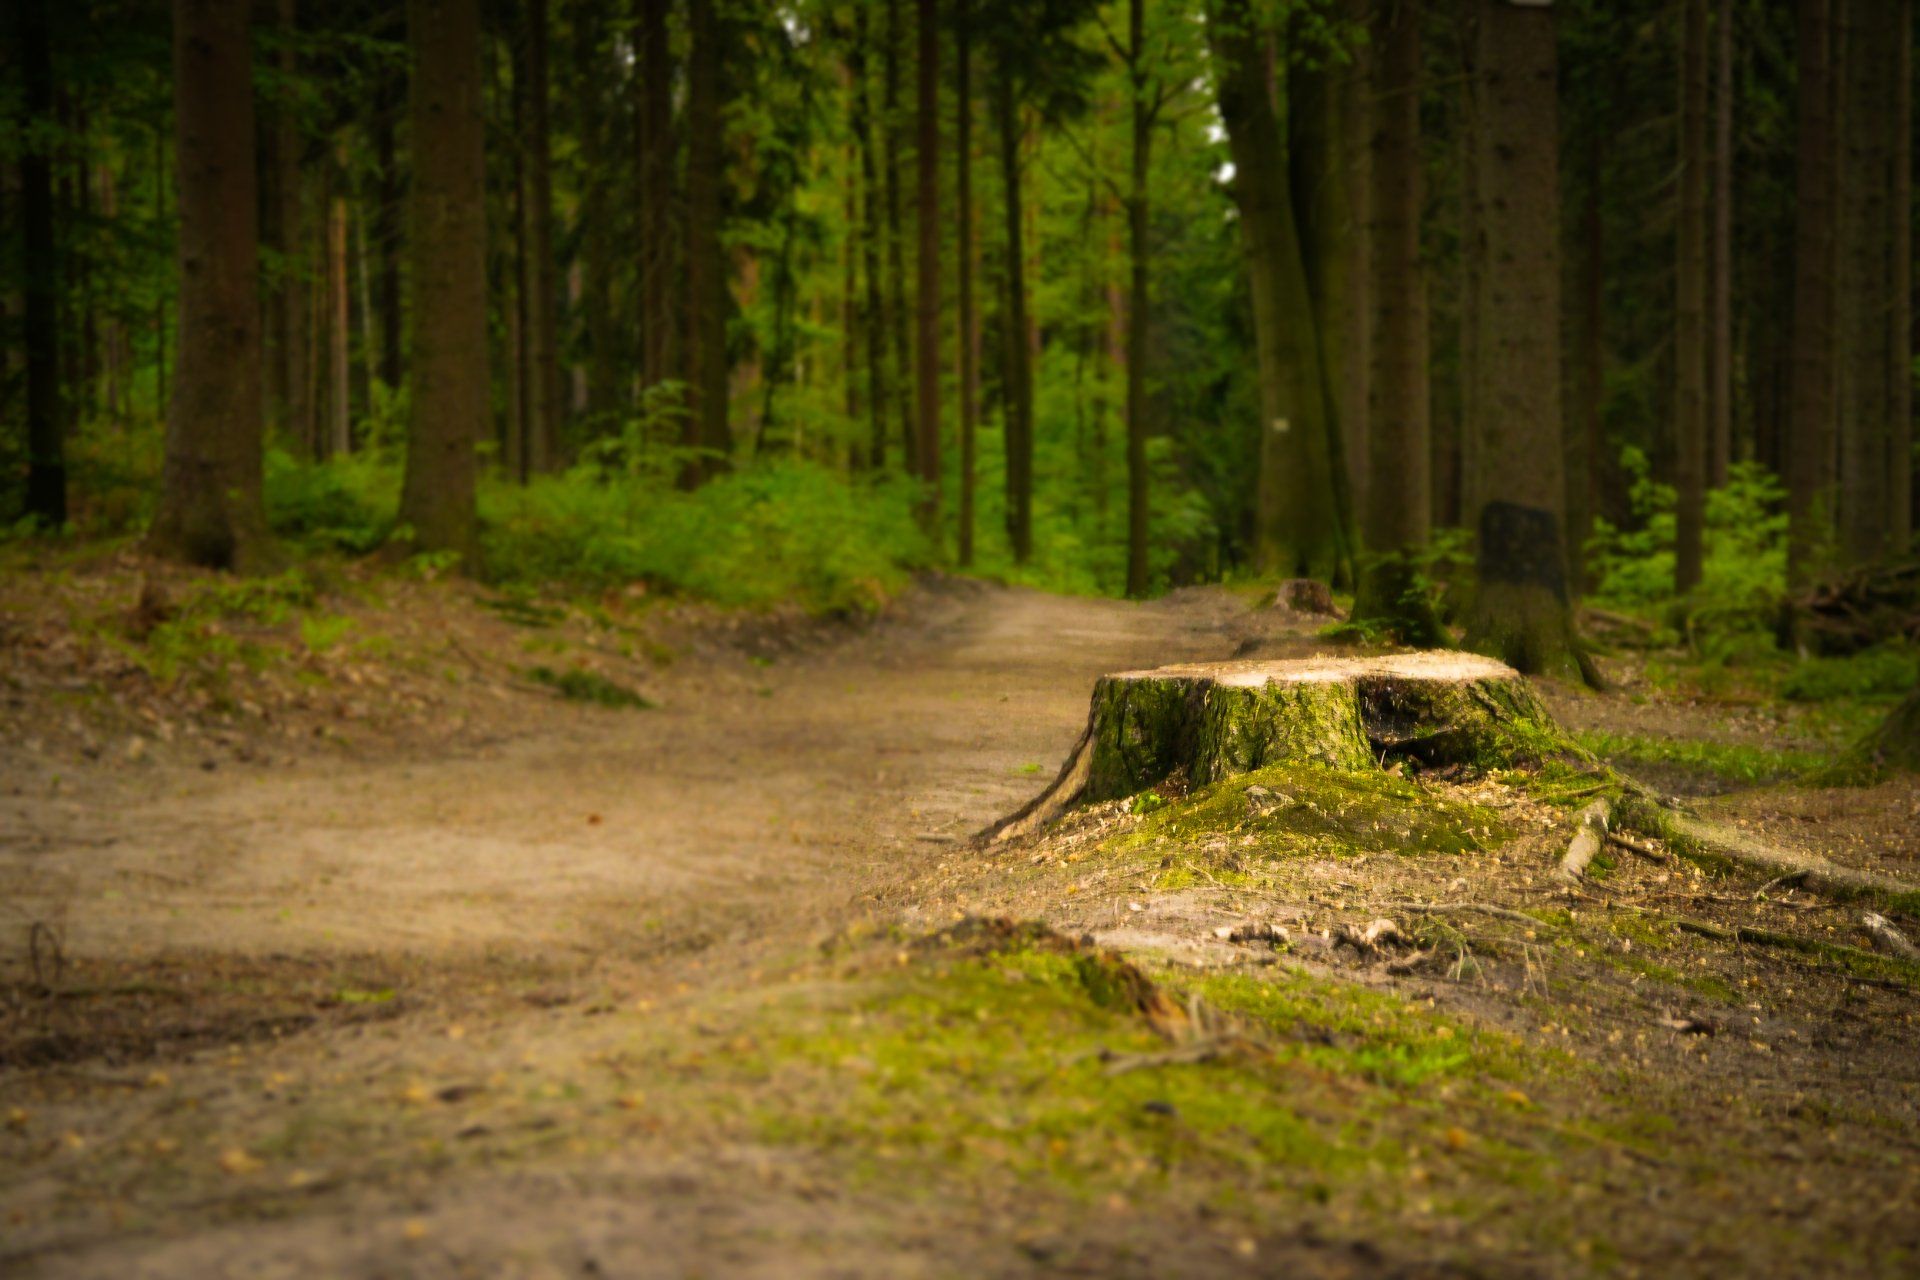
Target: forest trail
{"type": "Point", "coordinates": [746, 799]}
{"type": "Point", "coordinates": [756, 811]}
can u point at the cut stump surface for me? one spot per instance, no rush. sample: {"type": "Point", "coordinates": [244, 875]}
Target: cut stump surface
{"type": "Point", "coordinates": [1215, 720]}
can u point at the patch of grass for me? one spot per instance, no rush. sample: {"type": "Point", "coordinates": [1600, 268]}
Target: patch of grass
{"type": "Point", "coordinates": [1732, 762]}
{"type": "Point", "coordinates": [1884, 671]}
{"type": "Point", "coordinates": [587, 686]}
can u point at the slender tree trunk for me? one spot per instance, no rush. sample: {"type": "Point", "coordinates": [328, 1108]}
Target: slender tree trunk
{"type": "Point", "coordinates": [879, 386]}
{"type": "Point", "coordinates": [658, 324]}
{"type": "Point", "coordinates": [1017, 378]}
{"type": "Point", "coordinates": [969, 336]}
{"type": "Point", "coordinates": [211, 511]}
{"type": "Point", "coordinates": [294, 375]}
{"type": "Point", "coordinates": [1900, 461]}
{"type": "Point", "coordinates": [1139, 570]}
{"type": "Point", "coordinates": [595, 218]}
{"type": "Point", "coordinates": [1810, 437]}
{"type": "Point", "coordinates": [1867, 364]}
{"type": "Point", "coordinates": [1298, 523]}
{"type": "Point", "coordinates": [447, 244]}
{"type": "Point", "coordinates": [387, 234]}
{"type": "Point", "coordinates": [1587, 444]}
{"type": "Point", "coordinates": [706, 258]}
{"type": "Point", "coordinates": [898, 321]}
{"type": "Point", "coordinates": [1391, 591]}
{"type": "Point", "coordinates": [1720, 348]}
{"type": "Point", "coordinates": [545, 404]}
{"type": "Point", "coordinates": [926, 367]}
{"type": "Point", "coordinates": [1690, 304]}
{"type": "Point", "coordinates": [1473, 265]}
{"type": "Point", "coordinates": [1520, 611]}
{"type": "Point", "coordinates": [46, 445]}
{"type": "Point", "coordinates": [339, 440]}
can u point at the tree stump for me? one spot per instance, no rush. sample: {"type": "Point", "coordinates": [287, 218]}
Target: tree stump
{"type": "Point", "coordinates": [1216, 720]}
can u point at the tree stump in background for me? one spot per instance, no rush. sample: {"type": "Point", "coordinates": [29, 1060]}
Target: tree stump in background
{"type": "Point", "coordinates": [1305, 595]}
{"type": "Point", "coordinates": [1216, 720]}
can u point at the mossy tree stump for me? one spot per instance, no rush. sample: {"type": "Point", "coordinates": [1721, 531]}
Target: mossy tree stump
{"type": "Point", "coordinates": [1216, 720]}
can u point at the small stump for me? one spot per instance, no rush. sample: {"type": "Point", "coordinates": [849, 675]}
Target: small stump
{"type": "Point", "coordinates": [1216, 720]}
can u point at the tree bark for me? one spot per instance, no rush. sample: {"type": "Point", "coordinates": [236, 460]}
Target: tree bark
{"type": "Point", "coordinates": [1519, 612]}
{"type": "Point", "coordinates": [339, 441]}
{"type": "Point", "coordinates": [595, 219]}
{"type": "Point", "coordinates": [658, 324]}
{"type": "Point", "coordinates": [1810, 440]}
{"type": "Point", "coordinates": [447, 245]}
{"type": "Point", "coordinates": [706, 281]}
{"type": "Point", "coordinates": [898, 320]}
{"type": "Point", "coordinates": [1720, 347]}
{"type": "Point", "coordinates": [926, 369]}
{"type": "Point", "coordinates": [1900, 461]}
{"type": "Point", "coordinates": [1690, 304]}
{"type": "Point", "coordinates": [1298, 528]}
{"type": "Point", "coordinates": [387, 235]}
{"type": "Point", "coordinates": [1017, 352]}
{"type": "Point", "coordinates": [46, 444]}
{"type": "Point", "coordinates": [1586, 442]}
{"type": "Point", "coordinates": [879, 385]}
{"type": "Point", "coordinates": [969, 322]}
{"type": "Point", "coordinates": [543, 397]}
{"type": "Point", "coordinates": [1391, 591]}
{"type": "Point", "coordinates": [211, 511]}
{"type": "Point", "coordinates": [1138, 230]}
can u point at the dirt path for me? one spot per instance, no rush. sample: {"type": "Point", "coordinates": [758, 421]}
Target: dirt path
{"type": "Point", "coordinates": [672, 849]}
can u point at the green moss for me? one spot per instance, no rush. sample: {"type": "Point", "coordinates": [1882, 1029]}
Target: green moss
{"type": "Point", "coordinates": [587, 686]}
{"type": "Point", "coordinates": [1308, 810]}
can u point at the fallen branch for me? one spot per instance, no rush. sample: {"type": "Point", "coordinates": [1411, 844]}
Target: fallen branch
{"type": "Point", "coordinates": [1888, 938]}
{"type": "Point", "coordinates": [1590, 834]}
{"type": "Point", "coordinates": [1639, 848]}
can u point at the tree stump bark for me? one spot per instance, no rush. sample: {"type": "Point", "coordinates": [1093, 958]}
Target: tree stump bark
{"type": "Point", "coordinates": [1217, 720]}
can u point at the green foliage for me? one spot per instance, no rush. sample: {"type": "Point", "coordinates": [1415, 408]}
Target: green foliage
{"type": "Point", "coordinates": [344, 504]}
{"type": "Point", "coordinates": [1744, 573]}
{"type": "Point", "coordinates": [1730, 761]}
{"type": "Point", "coordinates": [586, 686]}
{"type": "Point", "coordinates": [779, 531]}
{"type": "Point", "coordinates": [1885, 671]}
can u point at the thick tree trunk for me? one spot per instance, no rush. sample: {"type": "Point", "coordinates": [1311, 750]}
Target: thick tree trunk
{"type": "Point", "coordinates": [926, 367]}
{"type": "Point", "coordinates": [211, 511]}
{"type": "Point", "coordinates": [1391, 593]}
{"type": "Point", "coordinates": [969, 322]}
{"type": "Point", "coordinates": [1690, 304]}
{"type": "Point", "coordinates": [1810, 436]}
{"type": "Point", "coordinates": [1520, 610]}
{"type": "Point", "coordinates": [658, 324]}
{"type": "Point", "coordinates": [1900, 460]}
{"type": "Point", "coordinates": [1138, 229]}
{"type": "Point", "coordinates": [1297, 523]}
{"type": "Point", "coordinates": [447, 244]}
{"type": "Point", "coordinates": [1017, 375]}
{"type": "Point", "coordinates": [706, 258]}
{"type": "Point", "coordinates": [46, 444]}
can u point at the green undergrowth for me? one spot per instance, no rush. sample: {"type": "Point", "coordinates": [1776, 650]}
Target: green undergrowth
{"type": "Point", "coordinates": [1730, 762]}
{"type": "Point", "coordinates": [1044, 1059]}
{"type": "Point", "coordinates": [587, 686]}
{"type": "Point", "coordinates": [1301, 810]}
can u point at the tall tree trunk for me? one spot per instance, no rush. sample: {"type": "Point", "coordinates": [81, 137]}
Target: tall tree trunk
{"type": "Point", "coordinates": [1586, 441]}
{"type": "Point", "coordinates": [706, 258]}
{"type": "Point", "coordinates": [1810, 436]}
{"type": "Point", "coordinates": [879, 386]}
{"type": "Point", "coordinates": [1298, 525]}
{"type": "Point", "coordinates": [969, 336]}
{"type": "Point", "coordinates": [1473, 265]}
{"type": "Point", "coordinates": [447, 247]}
{"type": "Point", "coordinates": [211, 512]}
{"type": "Point", "coordinates": [1900, 461]}
{"type": "Point", "coordinates": [1398, 513]}
{"type": "Point", "coordinates": [1520, 611]}
{"type": "Point", "coordinates": [1017, 353]}
{"type": "Point", "coordinates": [292, 359]}
{"type": "Point", "coordinates": [926, 366]}
{"type": "Point", "coordinates": [1864, 338]}
{"type": "Point", "coordinates": [659, 326]}
{"type": "Point", "coordinates": [544, 397]}
{"type": "Point", "coordinates": [595, 218]}
{"type": "Point", "coordinates": [1720, 345]}
{"type": "Point", "coordinates": [1690, 304]}
{"type": "Point", "coordinates": [897, 318]}
{"type": "Point", "coordinates": [387, 235]}
{"type": "Point", "coordinates": [339, 441]}
{"type": "Point", "coordinates": [46, 445]}
{"type": "Point", "coordinates": [1139, 570]}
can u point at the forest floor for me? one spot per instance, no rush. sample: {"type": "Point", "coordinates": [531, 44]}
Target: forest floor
{"type": "Point", "coordinates": [356, 923]}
